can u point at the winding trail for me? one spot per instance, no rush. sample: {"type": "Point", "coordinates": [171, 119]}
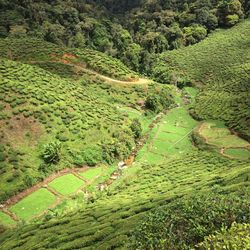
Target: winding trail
{"type": "Point", "coordinates": [81, 67]}
{"type": "Point", "coordinates": [112, 80]}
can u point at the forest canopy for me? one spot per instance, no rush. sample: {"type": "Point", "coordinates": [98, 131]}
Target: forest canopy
{"type": "Point", "coordinates": [132, 31]}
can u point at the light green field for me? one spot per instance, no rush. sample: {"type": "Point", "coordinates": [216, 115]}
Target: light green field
{"type": "Point", "coordinates": [170, 138]}
{"type": "Point", "coordinates": [66, 184]}
{"type": "Point", "coordinates": [34, 204]}
{"type": "Point", "coordinates": [92, 173]}
{"type": "Point", "coordinates": [240, 153]}
{"type": "Point", "coordinates": [220, 136]}
{"type": "Point", "coordinates": [6, 220]}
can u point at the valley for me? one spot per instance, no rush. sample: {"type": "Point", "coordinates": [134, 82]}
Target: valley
{"type": "Point", "coordinates": [124, 126]}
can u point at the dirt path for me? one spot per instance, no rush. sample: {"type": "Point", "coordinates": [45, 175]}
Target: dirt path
{"type": "Point", "coordinates": [109, 79]}
{"type": "Point", "coordinates": [142, 81]}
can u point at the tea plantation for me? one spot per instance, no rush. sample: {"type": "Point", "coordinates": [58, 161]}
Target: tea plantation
{"type": "Point", "coordinates": [38, 108]}
{"type": "Point", "coordinates": [219, 65]}
{"type": "Point", "coordinates": [62, 60]}
{"type": "Point", "coordinates": [93, 156]}
{"type": "Point", "coordinates": [106, 223]}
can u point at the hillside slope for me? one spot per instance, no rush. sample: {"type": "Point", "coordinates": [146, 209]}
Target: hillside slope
{"type": "Point", "coordinates": [107, 222]}
{"type": "Point", "coordinates": [62, 60]}
{"type": "Point", "coordinates": [38, 108]}
{"type": "Point", "coordinates": [219, 65]}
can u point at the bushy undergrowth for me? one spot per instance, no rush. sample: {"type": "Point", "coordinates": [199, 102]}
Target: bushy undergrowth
{"type": "Point", "coordinates": [235, 237]}
{"type": "Point", "coordinates": [185, 222]}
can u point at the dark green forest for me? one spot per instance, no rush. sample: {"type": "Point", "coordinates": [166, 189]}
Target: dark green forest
{"type": "Point", "coordinates": [133, 31]}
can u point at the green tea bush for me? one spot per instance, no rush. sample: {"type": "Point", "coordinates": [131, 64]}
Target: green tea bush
{"type": "Point", "coordinates": [235, 237]}
{"type": "Point", "coordinates": [185, 222]}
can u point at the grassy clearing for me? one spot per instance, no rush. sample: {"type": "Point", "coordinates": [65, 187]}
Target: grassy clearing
{"type": "Point", "coordinates": [34, 204]}
{"type": "Point", "coordinates": [239, 153]}
{"type": "Point", "coordinates": [92, 173]}
{"type": "Point", "coordinates": [218, 135]}
{"type": "Point", "coordinates": [66, 184]}
{"type": "Point", "coordinates": [6, 220]}
{"type": "Point", "coordinates": [171, 138]}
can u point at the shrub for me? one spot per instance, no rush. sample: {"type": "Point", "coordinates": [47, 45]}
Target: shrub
{"type": "Point", "coordinates": [184, 82]}
{"type": "Point", "coordinates": [51, 152]}
{"type": "Point", "coordinates": [29, 180]}
{"type": "Point", "coordinates": [92, 155]}
{"type": "Point", "coordinates": [119, 148]}
{"type": "Point", "coordinates": [159, 101]}
{"type": "Point", "coordinates": [136, 128]}
{"type": "Point", "coordinates": [153, 103]}
{"type": "Point", "coordinates": [185, 222]}
{"type": "Point", "coordinates": [237, 237]}
{"type": "Point", "coordinates": [231, 20]}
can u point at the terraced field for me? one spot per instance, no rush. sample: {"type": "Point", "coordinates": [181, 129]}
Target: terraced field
{"type": "Point", "coordinates": [49, 194]}
{"type": "Point", "coordinates": [218, 136]}
{"type": "Point", "coordinates": [107, 222]}
{"type": "Point", "coordinates": [170, 138]}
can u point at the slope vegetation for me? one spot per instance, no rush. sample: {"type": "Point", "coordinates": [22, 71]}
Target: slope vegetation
{"type": "Point", "coordinates": [219, 65]}
{"type": "Point", "coordinates": [107, 222]}
{"type": "Point", "coordinates": [38, 107]}
{"type": "Point", "coordinates": [63, 61]}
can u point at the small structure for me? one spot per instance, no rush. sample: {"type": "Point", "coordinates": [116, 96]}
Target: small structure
{"type": "Point", "coordinates": [121, 165]}
{"type": "Point", "coordinates": [101, 187]}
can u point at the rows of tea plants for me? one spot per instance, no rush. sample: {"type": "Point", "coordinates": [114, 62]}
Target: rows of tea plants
{"type": "Point", "coordinates": [57, 59]}
{"type": "Point", "coordinates": [109, 221]}
{"type": "Point", "coordinates": [219, 65]}
{"type": "Point", "coordinates": [38, 107]}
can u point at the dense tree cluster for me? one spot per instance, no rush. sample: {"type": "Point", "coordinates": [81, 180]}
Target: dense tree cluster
{"type": "Point", "coordinates": [132, 31]}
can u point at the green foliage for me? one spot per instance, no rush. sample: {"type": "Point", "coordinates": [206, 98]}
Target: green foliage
{"type": "Point", "coordinates": [159, 101]}
{"type": "Point", "coordinates": [119, 147]}
{"type": "Point", "coordinates": [235, 237]}
{"type": "Point", "coordinates": [187, 221]}
{"type": "Point", "coordinates": [231, 20]}
{"type": "Point", "coordinates": [92, 155]}
{"type": "Point", "coordinates": [194, 34]}
{"type": "Point", "coordinates": [136, 128]}
{"type": "Point", "coordinates": [132, 29]}
{"type": "Point", "coordinates": [229, 12]}
{"type": "Point", "coordinates": [52, 152]}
